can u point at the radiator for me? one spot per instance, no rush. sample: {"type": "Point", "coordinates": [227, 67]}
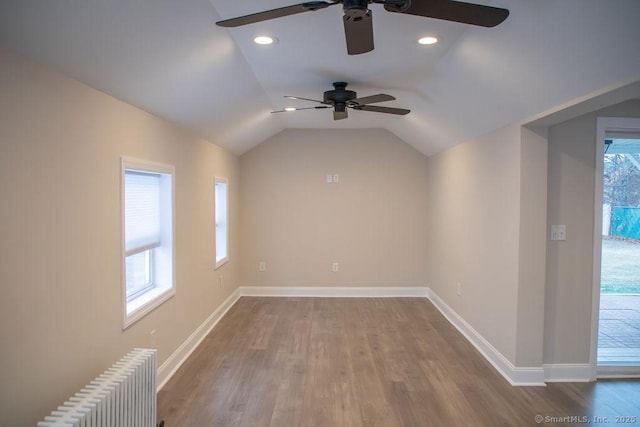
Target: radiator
{"type": "Point", "coordinates": [123, 396]}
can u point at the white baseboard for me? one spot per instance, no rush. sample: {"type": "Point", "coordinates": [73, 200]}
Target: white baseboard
{"type": "Point", "coordinates": [329, 291]}
{"type": "Point", "coordinates": [525, 376]}
{"type": "Point", "coordinates": [567, 372]}
{"type": "Point", "coordinates": [173, 363]}
{"type": "Point", "coordinates": [618, 371]}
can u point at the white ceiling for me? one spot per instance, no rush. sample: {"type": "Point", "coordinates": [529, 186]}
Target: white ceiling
{"type": "Point", "coordinates": [168, 57]}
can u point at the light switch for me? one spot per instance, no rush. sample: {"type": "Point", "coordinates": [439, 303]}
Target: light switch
{"type": "Point", "coordinates": [559, 232]}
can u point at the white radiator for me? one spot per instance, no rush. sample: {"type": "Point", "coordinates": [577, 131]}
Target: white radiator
{"type": "Point", "coordinates": [123, 396]}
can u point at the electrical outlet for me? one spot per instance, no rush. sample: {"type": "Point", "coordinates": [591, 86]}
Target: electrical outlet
{"type": "Point", "coordinates": [335, 267]}
{"type": "Point", "coordinates": [329, 178]}
{"type": "Point", "coordinates": [459, 290]}
{"type": "Point", "coordinates": [262, 266]}
{"type": "Point", "coordinates": [152, 338]}
{"type": "Point", "coordinates": [559, 232]}
{"type": "Point", "coordinates": [336, 177]}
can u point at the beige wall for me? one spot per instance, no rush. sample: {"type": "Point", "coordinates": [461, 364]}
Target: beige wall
{"type": "Point", "coordinates": [372, 221]}
{"type": "Point", "coordinates": [474, 228]}
{"type": "Point", "coordinates": [571, 180]}
{"type": "Point", "coordinates": [486, 233]}
{"type": "Point", "coordinates": [60, 235]}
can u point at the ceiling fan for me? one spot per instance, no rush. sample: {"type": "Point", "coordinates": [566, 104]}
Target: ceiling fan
{"type": "Point", "coordinates": [358, 27]}
{"type": "Point", "coordinates": [340, 99]}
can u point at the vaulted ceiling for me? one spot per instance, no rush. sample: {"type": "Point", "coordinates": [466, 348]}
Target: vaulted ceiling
{"type": "Point", "coordinates": [169, 58]}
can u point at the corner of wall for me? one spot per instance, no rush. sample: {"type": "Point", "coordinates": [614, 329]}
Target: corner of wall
{"type": "Point", "coordinates": [532, 248]}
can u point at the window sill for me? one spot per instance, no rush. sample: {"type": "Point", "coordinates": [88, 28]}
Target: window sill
{"type": "Point", "coordinates": [220, 263]}
{"type": "Point", "coordinates": [145, 303]}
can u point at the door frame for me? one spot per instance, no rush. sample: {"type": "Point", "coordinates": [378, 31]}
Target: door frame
{"type": "Point", "coordinates": [603, 125]}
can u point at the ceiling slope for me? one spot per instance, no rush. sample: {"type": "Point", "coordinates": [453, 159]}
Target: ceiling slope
{"type": "Point", "coordinates": [164, 56]}
{"type": "Point", "coordinates": [170, 58]}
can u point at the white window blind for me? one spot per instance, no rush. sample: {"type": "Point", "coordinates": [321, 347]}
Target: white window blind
{"type": "Point", "coordinates": [142, 211]}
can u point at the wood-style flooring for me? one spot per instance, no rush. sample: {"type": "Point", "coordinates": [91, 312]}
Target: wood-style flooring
{"type": "Point", "coordinates": [365, 362]}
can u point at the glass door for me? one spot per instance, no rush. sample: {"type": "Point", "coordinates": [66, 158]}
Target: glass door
{"type": "Point", "coordinates": [619, 320]}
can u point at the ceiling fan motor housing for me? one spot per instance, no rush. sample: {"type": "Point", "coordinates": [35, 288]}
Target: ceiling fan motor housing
{"type": "Point", "coordinates": [397, 5]}
{"type": "Point", "coordinates": [339, 96]}
{"type": "Point", "coordinates": [355, 8]}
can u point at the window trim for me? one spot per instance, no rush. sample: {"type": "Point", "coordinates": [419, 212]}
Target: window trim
{"type": "Point", "coordinates": [222, 261]}
{"type": "Point", "coordinates": [143, 304]}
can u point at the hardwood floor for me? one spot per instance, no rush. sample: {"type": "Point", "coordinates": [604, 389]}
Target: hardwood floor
{"type": "Point", "coordinates": [364, 362]}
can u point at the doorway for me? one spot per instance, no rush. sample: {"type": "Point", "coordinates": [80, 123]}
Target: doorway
{"type": "Point", "coordinates": [618, 281]}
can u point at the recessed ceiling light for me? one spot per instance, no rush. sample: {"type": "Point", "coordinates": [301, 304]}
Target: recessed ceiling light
{"type": "Point", "coordinates": [265, 40]}
{"type": "Point", "coordinates": [428, 40]}
{"type": "Point", "coordinates": [290, 109]}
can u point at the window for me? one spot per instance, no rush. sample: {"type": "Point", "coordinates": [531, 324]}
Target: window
{"type": "Point", "coordinates": [222, 224]}
{"type": "Point", "coordinates": [147, 218]}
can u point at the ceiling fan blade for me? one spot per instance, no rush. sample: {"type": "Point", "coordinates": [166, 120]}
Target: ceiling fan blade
{"type": "Point", "coordinates": [275, 13]}
{"type": "Point", "coordinates": [304, 99]}
{"type": "Point", "coordinates": [305, 108]}
{"type": "Point", "coordinates": [387, 110]}
{"type": "Point", "coordinates": [457, 11]}
{"type": "Point", "coordinates": [339, 115]}
{"type": "Point", "coordinates": [358, 32]}
{"type": "Point", "coordinates": [381, 97]}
